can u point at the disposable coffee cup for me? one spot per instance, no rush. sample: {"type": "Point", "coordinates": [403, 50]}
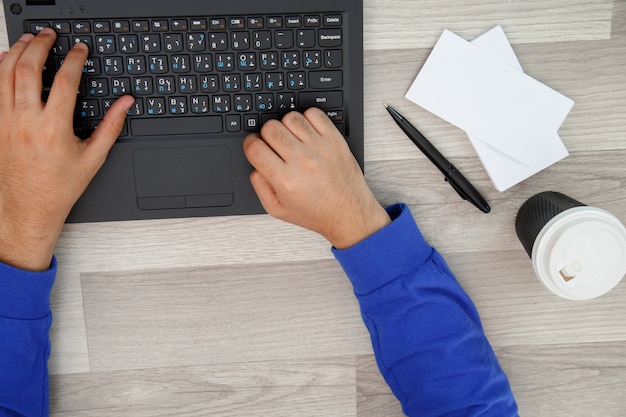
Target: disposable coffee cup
{"type": "Point", "coordinates": [578, 252]}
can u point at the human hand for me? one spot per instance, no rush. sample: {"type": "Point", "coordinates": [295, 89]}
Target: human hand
{"type": "Point", "coordinates": [44, 167]}
{"type": "Point", "coordinates": [305, 174]}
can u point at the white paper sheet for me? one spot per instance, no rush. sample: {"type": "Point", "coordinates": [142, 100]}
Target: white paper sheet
{"type": "Point", "coordinates": [511, 118]}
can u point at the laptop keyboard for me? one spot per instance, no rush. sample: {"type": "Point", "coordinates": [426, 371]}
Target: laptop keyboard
{"type": "Point", "coordinates": [215, 74]}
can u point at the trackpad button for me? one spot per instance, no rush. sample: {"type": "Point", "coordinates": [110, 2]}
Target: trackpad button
{"type": "Point", "coordinates": [169, 178]}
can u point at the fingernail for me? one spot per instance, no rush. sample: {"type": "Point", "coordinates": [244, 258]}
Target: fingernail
{"type": "Point", "coordinates": [81, 45]}
{"type": "Point", "coordinates": [3, 55]}
{"type": "Point", "coordinates": [27, 37]}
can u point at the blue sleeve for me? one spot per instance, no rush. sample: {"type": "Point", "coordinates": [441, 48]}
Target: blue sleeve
{"type": "Point", "coordinates": [25, 320]}
{"type": "Point", "coordinates": [426, 333]}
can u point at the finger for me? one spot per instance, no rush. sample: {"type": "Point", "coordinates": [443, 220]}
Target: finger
{"type": "Point", "coordinates": [266, 193]}
{"type": "Point", "coordinates": [320, 121]}
{"type": "Point", "coordinates": [7, 71]}
{"type": "Point", "coordinates": [62, 96]}
{"type": "Point", "coordinates": [2, 56]}
{"type": "Point", "coordinates": [102, 139]}
{"type": "Point", "coordinates": [29, 68]}
{"type": "Point", "coordinates": [261, 156]}
{"type": "Point", "coordinates": [279, 138]}
{"type": "Point", "coordinates": [300, 127]}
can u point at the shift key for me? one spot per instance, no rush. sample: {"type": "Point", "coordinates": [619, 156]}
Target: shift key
{"type": "Point", "coordinates": [321, 99]}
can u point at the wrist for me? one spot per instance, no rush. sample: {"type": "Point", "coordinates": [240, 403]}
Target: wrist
{"type": "Point", "coordinates": [30, 249]}
{"type": "Point", "coordinates": [359, 226]}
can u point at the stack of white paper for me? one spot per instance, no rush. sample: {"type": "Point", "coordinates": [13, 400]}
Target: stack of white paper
{"type": "Point", "coordinates": [511, 119]}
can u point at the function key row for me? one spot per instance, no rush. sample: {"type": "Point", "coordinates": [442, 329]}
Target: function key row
{"type": "Point", "coordinates": [182, 25]}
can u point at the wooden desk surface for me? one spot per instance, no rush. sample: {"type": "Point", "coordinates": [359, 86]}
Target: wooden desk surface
{"type": "Point", "coordinates": [248, 316]}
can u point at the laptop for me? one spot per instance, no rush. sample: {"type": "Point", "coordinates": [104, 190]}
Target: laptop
{"type": "Point", "coordinates": [204, 75]}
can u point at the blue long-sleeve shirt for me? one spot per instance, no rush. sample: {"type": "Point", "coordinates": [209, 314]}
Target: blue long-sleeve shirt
{"type": "Point", "coordinates": [25, 320]}
{"type": "Point", "coordinates": [426, 333]}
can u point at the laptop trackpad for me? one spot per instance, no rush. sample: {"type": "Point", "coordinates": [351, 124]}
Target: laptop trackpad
{"type": "Point", "coordinates": [189, 177]}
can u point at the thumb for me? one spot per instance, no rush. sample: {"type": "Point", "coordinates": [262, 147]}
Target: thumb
{"type": "Point", "coordinates": [266, 193]}
{"type": "Point", "coordinates": [102, 139]}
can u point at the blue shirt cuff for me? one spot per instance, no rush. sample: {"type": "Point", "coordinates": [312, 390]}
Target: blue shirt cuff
{"type": "Point", "coordinates": [384, 256]}
{"type": "Point", "coordinates": [25, 295]}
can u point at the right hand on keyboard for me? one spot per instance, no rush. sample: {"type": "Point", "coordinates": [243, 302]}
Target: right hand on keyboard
{"type": "Point", "coordinates": [305, 174]}
{"type": "Point", "coordinates": [44, 167]}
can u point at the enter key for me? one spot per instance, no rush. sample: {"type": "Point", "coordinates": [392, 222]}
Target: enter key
{"type": "Point", "coordinates": [325, 79]}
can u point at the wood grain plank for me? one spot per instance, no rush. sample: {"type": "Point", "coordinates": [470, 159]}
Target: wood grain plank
{"type": "Point", "coordinates": [418, 25]}
{"type": "Point", "coordinates": [224, 314]}
{"type": "Point", "coordinates": [315, 387]}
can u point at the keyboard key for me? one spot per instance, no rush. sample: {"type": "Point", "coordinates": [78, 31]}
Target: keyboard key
{"type": "Point", "coordinates": [332, 20]}
{"type": "Point", "coordinates": [321, 99]}
{"type": "Point", "coordinates": [218, 41]}
{"type": "Point", "coordinates": [180, 64]}
{"type": "Point", "coordinates": [61, 46]}
{"type": "Point", "coordinates": [143, 86]}
{"type": "Point", "coordinates": [199, 104]}
{"type": "Point", "coordinates": [256, 23]}
{"type": "Point", "coordinates": [155, 106]}
{"type": "Point", "coordinates": [306, 38]}
{"type": "Point", "coordinates": [113, 65]}
{"type": "Point", "coordinates": [177, 105]}
{"type": "Point", "coordinates": [283, 39]}
{"type": "Point", "coordinates": [120, 86]}
{"type": "Point", "coordinates": [105, 45]}
{"type": "Point", "coordinates": [101, 27]}
{"type": "Point", "coordinates": [251, 122]}
{"type": "Point", "coordinates": [137, 108]}
{"type": "Point", "coordinates": [330, 38]}
{"type": "Point", "coordinates": [165, 85]}
{"type": "Point", "coordinates": [158, 64]}
{"type": "Point", "coordinates": [128, 44]}
{"type": "Point", "coordinates": [274, 22]}
{"type": "Point", "coordinates": [62, 27]}
{"type": "Point", "coordinates": [325, 79]}
{"type": "Point", "coordinates": [196, 42]}
{"type": "Point", "coordinates": [193, 125]}
{"type": "Point", "coordinates": [179, 25]}
{"type": "Point", "coordinates": [173, 42]}
{"type": "Point", "coordinates": [160, 25]}
{"type": "Point", "coordinates": [136, 65]}
{"type": "Point", "coordinates": [82, 27]}
{"type": "Point", "coordinates": [293, 21]}
{"type": "Point", "coordinates": [151, 43]}
{"type": "Point", "coordinates": [236, 23]}
{"type": "Point", "coordinates": [36, 27]}
{"type": "Point", "coordinates": [217, 24]}
{"type": "Point", "coordinates": [262, 39]}
{"type": "Point", "coordinates": [312, 21]}
{"type": "Point", "coordinates": [121, 26]}
{"type": "Point", "coordinates": [233, 123]}
{"type": "Point", "coordinates": [198, 24]}
{"type": "Point", "coordinates": [141, 26]}
{"type": "Point", "coordinates": [333, 58]}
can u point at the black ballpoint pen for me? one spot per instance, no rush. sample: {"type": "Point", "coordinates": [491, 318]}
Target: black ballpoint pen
{"type": "Point", "coordinates": [462, 186]}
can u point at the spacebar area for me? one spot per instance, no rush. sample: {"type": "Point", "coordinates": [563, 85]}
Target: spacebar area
{"type": "Point", "coordinates": [196, 125]}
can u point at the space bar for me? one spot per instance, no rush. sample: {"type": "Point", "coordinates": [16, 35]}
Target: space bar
{"type": "Point", "coordinates": [196, 125]}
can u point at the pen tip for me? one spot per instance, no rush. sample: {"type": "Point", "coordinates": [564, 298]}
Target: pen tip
{"type": "Point", "coordinates": [385, 104]}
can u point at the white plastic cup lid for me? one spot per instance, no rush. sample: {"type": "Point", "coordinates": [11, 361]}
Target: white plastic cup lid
{"type": "Point", "coordinates": [581, 253]}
